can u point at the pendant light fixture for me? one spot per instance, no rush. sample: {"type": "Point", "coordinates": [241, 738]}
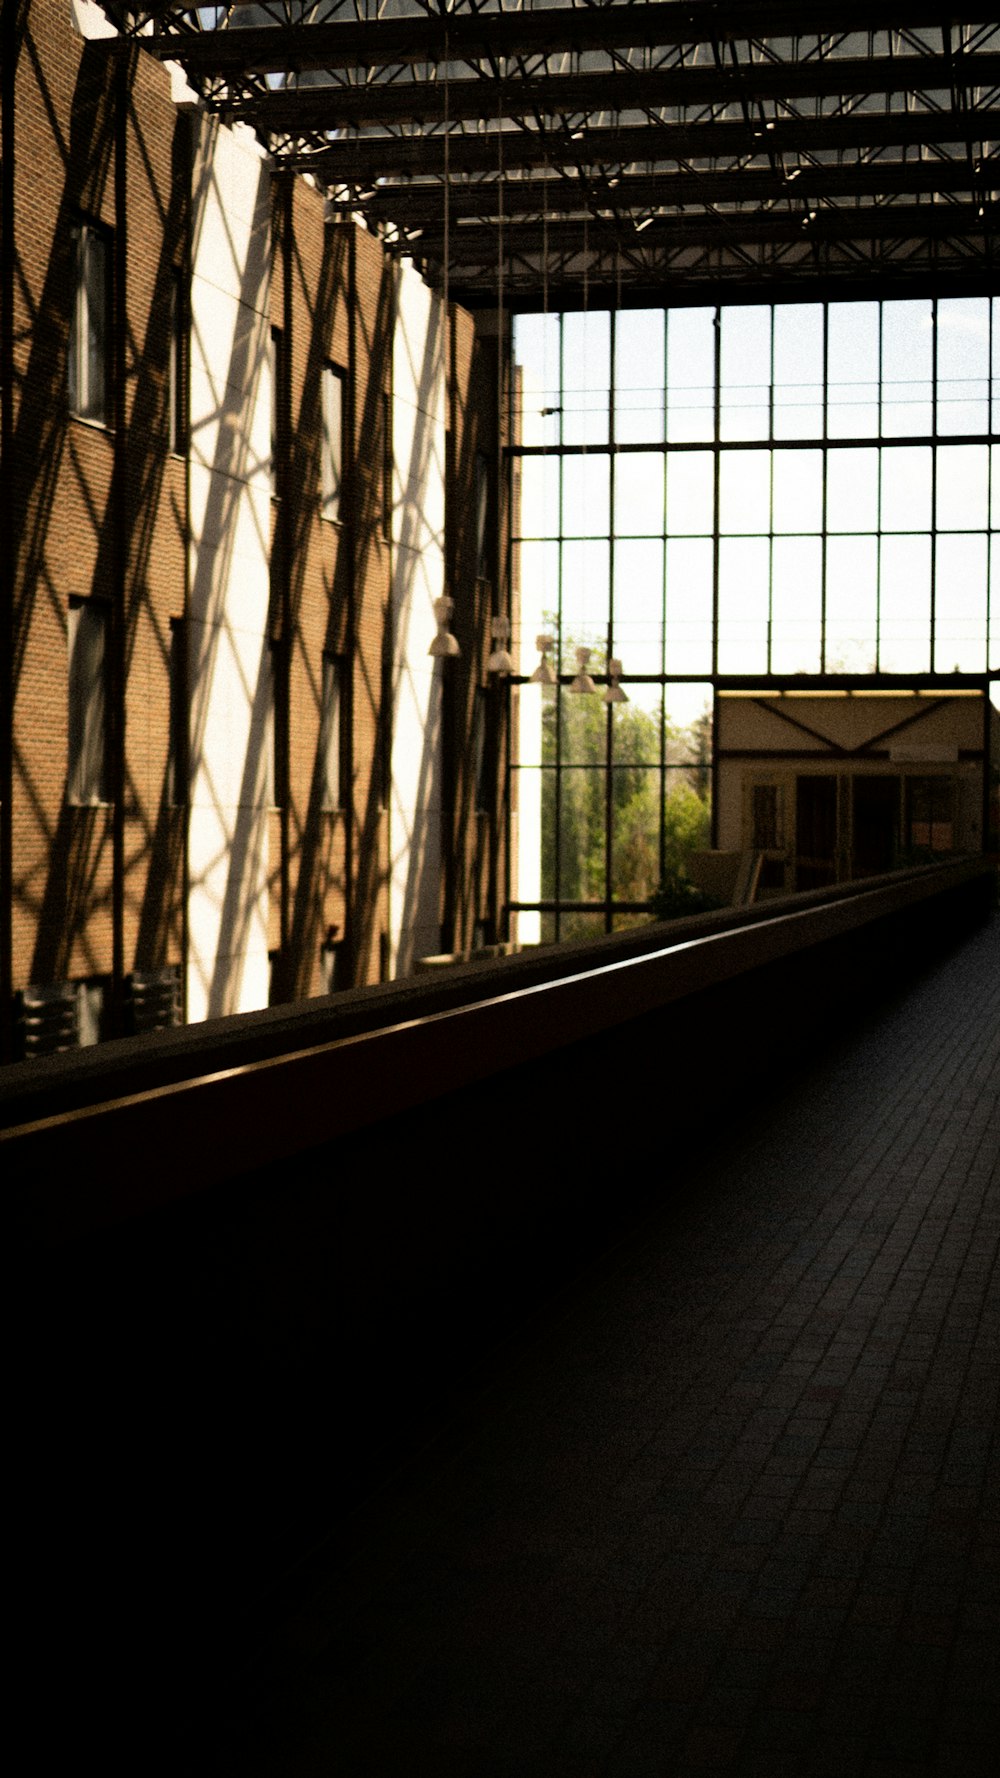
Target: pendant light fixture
{"type": "Point", "coordinates": [445, 645]}
{"type": "Point", "coordinates": [583, 682]}
{"type": "Point", "coordinates": [614, 693]}
{"type": "Point", "coordinates": [500, 660]}
{"type": "Point", "coordinates": [544, 673]}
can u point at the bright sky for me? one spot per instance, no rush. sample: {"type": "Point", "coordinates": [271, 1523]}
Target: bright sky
{"type": "Point", "coordinates": [884, 498]}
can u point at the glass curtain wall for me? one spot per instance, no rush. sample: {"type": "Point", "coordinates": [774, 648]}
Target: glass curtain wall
{"type": "Point", "coordinates": [762, 490]}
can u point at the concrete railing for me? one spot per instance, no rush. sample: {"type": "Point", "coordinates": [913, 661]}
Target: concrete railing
{"type": "Point", "coordinates": [123, 1151]}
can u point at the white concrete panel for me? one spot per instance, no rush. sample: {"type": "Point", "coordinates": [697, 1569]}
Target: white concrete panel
{"type": "Point", "coordinates": [418, 346]}
{"type": "Point", "coordinates": [227, 926]}
{"type": "Point", "coordinates": [230, 428]}
{"type": "Point", "coordinates": [229, 544]}
{"type": "Point", "coordinates": [229, 669]}
{"type": "Point", "coordinates": [231, 211]}
{"type": "Point", "coordinates": [230, 712]}
{"type": "Point", "coordinates": [419, 412]}
{"type": "Point", "coordinates": [418, 479]}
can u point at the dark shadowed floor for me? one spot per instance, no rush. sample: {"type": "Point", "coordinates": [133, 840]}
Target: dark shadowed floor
{"type": "Point", "coordinates": [725, 1505]}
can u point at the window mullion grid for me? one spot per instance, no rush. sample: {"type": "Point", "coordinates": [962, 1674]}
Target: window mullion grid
{"type": "Point", "coordinates": [770, 507]}
{"type": "Point", "coordinates": [609, 634]}
{"type": "Point", "coordinates": [557, 847]}
{"type": "Point", "coordinates": [663, 654]}
{"type": "Point", "coordinates": [823, 509]}
{"type": "Point", "coordinates": [878, 551]}
{"type": "Point", "coordinates": [716, 470]}
{"type": "Point", "coordinates": [931, 663]}
{"type": "Point", "coordinates": [991, 552]}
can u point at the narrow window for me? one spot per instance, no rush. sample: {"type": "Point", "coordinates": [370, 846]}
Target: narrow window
{"type": "Point", "coordinates": [482, 762]}
{"type": "Point", "coordinates": [333, 440]}
{"type": "Point", "coordinates": [482, 509]}
{"type": "Point", "coordinates": [274, 727]}
{"type": "Point", "coordinates": [86, 780]}
{"type": "Point", "coordinates": [177, 764]}
{"type": "Point", "coordinates": [90, 333]}
{"type": "Point", "coordinates": [387, 465]}
{"type": "Point", "coordinates": [766, 817]}
{"type": "Point", "coordinates": [277, 401]}
{"type": "Point", "coordinates": [177, 384]}
{"type": "Point", "coordinates": [931, 814]}
{"type": "Point", "coordinates": [332, 752]}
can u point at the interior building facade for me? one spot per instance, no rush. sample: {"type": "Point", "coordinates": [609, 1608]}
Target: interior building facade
{"type": "Point", "coordinates": [307, 326]}
{"type": "Point", "coordinates": [244, 454]}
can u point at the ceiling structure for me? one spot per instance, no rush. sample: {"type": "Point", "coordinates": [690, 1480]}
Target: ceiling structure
{"type": "Point", "coordinates": [625, 150]}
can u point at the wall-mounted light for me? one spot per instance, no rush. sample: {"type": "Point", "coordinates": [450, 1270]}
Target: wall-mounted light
{"type": "Point", "coordinates": [544, 673]}
{"type": "Point", "coordinates": [583, 682]}
{"type": "Point", "coordinates": [444, 645]}
{"type": "Point", "coordinates": [614, 693]}
{"type": "Point", "coordinates": [500, 661]}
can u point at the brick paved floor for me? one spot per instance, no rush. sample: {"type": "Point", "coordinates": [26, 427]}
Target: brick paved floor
{"type": "Point", "coordinates": [726, 1506]}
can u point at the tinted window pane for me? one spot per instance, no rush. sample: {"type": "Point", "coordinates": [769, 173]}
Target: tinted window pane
{"type": "Point", "coordinates": [905, 605]}
{"type": "Point", "coordinates": [851, 604]}
{"type": "Point", "coordinates": [585, 597]}
{"type": "Point", "coordinates": [690, 493]}
{"type": "Point", "coordinates": [853, 370]}
{"type": "Point", "coordinates": [582, 823]}
{"type": "Point", "coordinates": [635, 833]}
{"type": "Point", "coordinates": [586, 363]}
{"type": "Point", "coordinates": [852, 490]}
{"type": "Point", "coordinates": [638, 616]}
{"type": "Point", "coordinates": [798, 370]}
{"type": "Point", "coordinates": [688, 639]}
{"type": "Point", "coordinates": [536, 350]}
{"type": "Point", "coordinates": [796, 588]}
{"type": "Point", "coordinates": [907, 368]}
{"type": "Point", "coordinates": [960, 595]}
{"type": "Point", "coordinates": [963, 364]}
{"type": "Point", "coordinates": [536, 569]}
{"type": "Point", "coordinates": [745, 392]}
{"type": "Point", "coordinates": [639, 374]}
{"type": "Point", "coordinates": [798, 490]}
{"type": "Point", "coordinates": [744, 574]}
{"type": "Point", "coordinates": [539, 514]}
{"type": "Point", "coordinates": [745, 491]}
{"type": "Point", "coordinates": [586, 496]}
{"type": "Point", "coordinates": [963, 487]}
{"type": "Point", "coordinates": [691, 374]}
{"type": "Point", "coordinates": [639, 494]}
{"type": "Point", "coordinates": [906, 488]}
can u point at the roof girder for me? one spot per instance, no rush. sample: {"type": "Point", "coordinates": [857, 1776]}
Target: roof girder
{"type": "Point", "coordinates": [630, 192]}
{"type": "Point", "coordinates": [485, 35]}
{"type": "Point", "coordinates": [353, 105]}
{"type": "Point", "coordinates": [364, 159]}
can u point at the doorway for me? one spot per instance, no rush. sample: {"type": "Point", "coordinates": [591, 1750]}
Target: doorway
{"type": "Point", "coordinates": [875, 830]}
{"type": "Point", "coordinates": [815, 831]}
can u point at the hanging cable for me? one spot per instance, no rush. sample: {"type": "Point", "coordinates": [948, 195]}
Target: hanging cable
{"type": "Point", "coordinates": [497, 595]}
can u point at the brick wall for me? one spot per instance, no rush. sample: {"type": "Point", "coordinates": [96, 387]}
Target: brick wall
{"type": "Point", "coordinates": [103, 510]}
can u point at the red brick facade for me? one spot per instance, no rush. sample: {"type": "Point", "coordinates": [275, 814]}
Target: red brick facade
{"type": "Point", "coordinates": [99, 510]}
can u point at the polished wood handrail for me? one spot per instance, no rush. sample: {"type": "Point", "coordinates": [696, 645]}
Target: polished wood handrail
{"type": "Point", "coordinates": [121, 1155]}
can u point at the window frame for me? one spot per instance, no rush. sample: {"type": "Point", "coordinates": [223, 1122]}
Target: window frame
{"type": "Point", "coordinates": [278, 379]}
{"type": "Point", "coordinates": [87, 706]}
{"type": "Point", "coordinates": [90, 324]}
{"type": "Point", "coordinates": [333, 417]}
{"type": "Point", "coordinates": [331, 746]}
{"type": "Point", "coordinates": [177, 382]}
{"type": "Point", "coordinates": [178, 780]}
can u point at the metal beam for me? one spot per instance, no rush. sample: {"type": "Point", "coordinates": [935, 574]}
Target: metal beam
{"type": "Point", "coordinates": [363, 160]}
{"type": "Point", "coordinates": [353, 105]}
{"type": "Point", "coordinates": [488, 35]}
{"type": "Point", "coordinates": [479, 242]}
{"type": "Point", "coordinates": [559, 195]}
